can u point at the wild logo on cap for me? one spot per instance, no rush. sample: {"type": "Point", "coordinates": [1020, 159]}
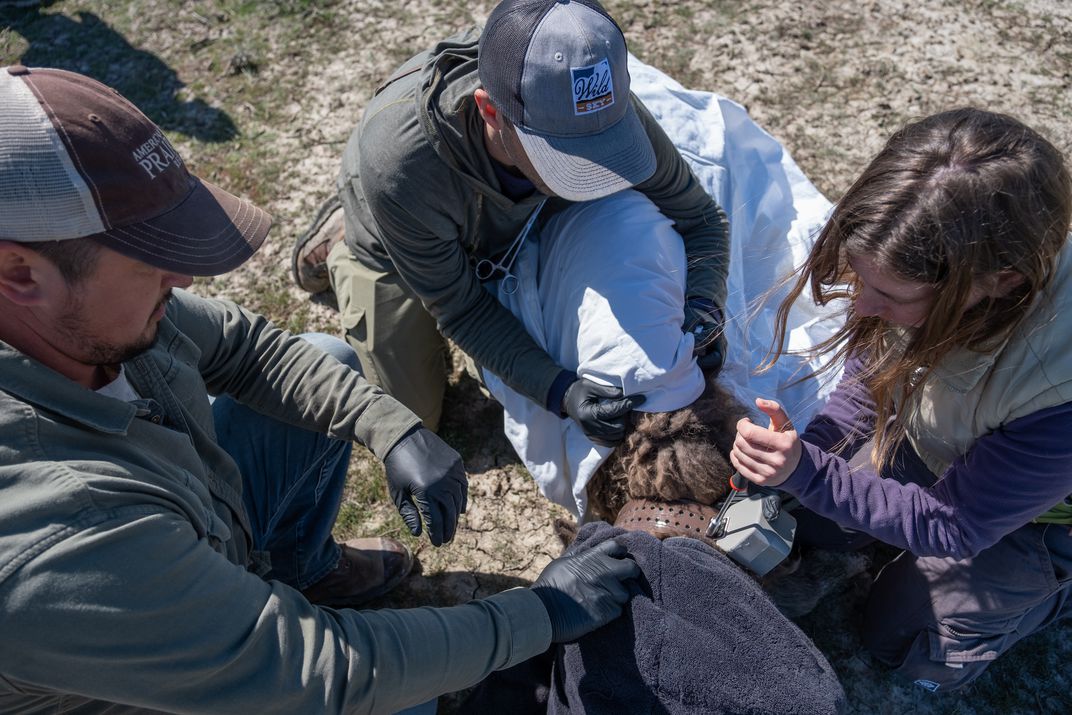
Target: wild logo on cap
{"type": "Point", "coordinates": [559, 71]}
{"type": "Point", "coordinates": [593, 88]}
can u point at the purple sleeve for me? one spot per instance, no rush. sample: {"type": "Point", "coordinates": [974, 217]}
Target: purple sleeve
{"type": "Point", "coordinates": [847, 420]}
{"type": "Point", "coordinates": [1008, 478]}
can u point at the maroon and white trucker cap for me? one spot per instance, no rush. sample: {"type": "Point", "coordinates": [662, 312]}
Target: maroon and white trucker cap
{"type": "Point", "coordinates": [77, 159]}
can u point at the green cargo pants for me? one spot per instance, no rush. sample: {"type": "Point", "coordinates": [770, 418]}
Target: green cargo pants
{"type": "Point", "coordinates": [395, 338]}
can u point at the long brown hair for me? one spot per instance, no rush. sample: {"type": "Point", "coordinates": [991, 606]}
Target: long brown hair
{"type": "Point", "coordinates": [950, 199]}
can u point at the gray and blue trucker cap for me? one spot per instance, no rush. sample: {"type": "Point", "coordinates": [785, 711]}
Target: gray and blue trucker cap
{"type": "Point", "coordinates": [557, 69]}
{"type": "Point", "coordinates": [79, 160]}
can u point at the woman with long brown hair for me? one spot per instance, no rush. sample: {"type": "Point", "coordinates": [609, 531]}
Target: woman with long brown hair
{"type": "Point", "coordinates": [952, 251]}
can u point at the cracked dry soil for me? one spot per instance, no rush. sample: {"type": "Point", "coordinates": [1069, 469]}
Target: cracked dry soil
{"type": "Point", "coordinates": [831, 80]}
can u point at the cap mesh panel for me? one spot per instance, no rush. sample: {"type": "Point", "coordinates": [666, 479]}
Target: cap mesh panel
{"type": "Point", "coordinates": [42, 197]}
{"type": "Point", "coordinates": [504, 45]}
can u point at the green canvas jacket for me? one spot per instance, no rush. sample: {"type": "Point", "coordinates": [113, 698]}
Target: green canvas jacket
{"type": "Point", "coordinates": [127, 577]}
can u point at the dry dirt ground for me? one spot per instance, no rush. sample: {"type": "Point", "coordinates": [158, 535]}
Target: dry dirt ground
{"type": "Point", "coordinates": [260, 97]}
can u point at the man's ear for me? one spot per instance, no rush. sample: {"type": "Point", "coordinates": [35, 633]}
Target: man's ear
{"type": "Point", "coordinates": [25, 275]}
{"type": "Point", "coordinates": [488, 111]}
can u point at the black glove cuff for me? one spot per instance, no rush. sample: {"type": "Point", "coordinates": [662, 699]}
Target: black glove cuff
{"type": "Point", "coordinates": [409, 433]}
{"type": "Point", "coordinates": [552, 603]}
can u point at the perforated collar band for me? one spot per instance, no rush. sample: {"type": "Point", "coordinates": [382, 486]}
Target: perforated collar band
{"type": "Point", "coordinates": [557, 69]}
{"type": "Point", "coordinates": [664, 519]}
{"type": "Point", "coordinates": [77, 159]}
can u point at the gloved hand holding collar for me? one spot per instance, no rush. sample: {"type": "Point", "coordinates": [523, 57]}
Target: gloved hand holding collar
{"type": "Point", "coordinates": [584, 591]}
{"type": "Point", "coordinates": [427, 481]}
{"type": "Point", "coordinates": [600, 410]}
{"type": "Point", "coordinates": [705, 321]}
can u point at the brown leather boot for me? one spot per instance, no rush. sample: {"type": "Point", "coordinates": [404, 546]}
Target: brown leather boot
{"type": "Point", "coordinates": [308, 261]}
{"type": "Point", "coordinates": [367, 569]}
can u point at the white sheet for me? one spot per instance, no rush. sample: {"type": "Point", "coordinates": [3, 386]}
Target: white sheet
{"type": "Point", "coordinates": [609, 306]}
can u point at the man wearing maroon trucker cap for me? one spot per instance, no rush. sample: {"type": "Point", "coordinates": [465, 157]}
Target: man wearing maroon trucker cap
{"type": "Point", "coordinates": [164, 550]}
{"type": "Point", "coordinates": [458, 150]}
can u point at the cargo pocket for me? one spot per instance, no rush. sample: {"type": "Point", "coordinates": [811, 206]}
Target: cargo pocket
{"type": "Point", "coordinates": [216, 531]}
{"type": "Point", "coordinates": [961, 642]}
{"type": "Point", "coordinates": [952, 656]}
{"type": "Point", "coordinates": [353, 322]}
{"type": "Point", "coordinates": [354, 290]}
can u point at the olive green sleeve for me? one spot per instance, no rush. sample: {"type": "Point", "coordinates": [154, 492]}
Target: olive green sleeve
{"type": "Point", "coordinates": [283, 376]}
{"type": "Point", "coordinates": [150, 616]}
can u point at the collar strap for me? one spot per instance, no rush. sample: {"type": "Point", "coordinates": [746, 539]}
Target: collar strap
{"type": "Point", "coordinates": [665, 519]}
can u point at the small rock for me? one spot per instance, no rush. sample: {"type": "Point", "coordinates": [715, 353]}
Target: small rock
{"type": "Point", "coordinates": [242, 62]}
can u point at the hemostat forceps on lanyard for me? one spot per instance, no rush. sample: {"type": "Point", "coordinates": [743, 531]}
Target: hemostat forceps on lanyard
{"type": "Point", "coordinates": [486, 268]}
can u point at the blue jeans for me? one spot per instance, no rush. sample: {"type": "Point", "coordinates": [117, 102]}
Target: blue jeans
{"type": "Point", "coordinates": [292, 482]}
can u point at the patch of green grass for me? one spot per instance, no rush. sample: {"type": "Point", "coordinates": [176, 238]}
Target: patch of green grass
{"type": "Point", "coordinates": [12, 44]}
{"type": "Point", "coordinates": [353, 516]}
{"type": "Point", "coordinates": [315, 10]}
{"type": "Point", "coordinates": [275, 301]}
{"type": "Point", "coordinates": [367, 509]}
{"type": "Point", "coordinates": [367, 482]}
{"type": "Point", "coordinates": [248, 167]}
{"type": "Point", "coordinates": [202, 71]}
{"type": "Point", "coordinates": [646, 31]}
{"type": "Point", "coordinates": [1014, 6]}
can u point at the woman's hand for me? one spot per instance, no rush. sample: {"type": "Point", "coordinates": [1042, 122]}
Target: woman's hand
{"type": "Point", "coordinates": [766, 456]}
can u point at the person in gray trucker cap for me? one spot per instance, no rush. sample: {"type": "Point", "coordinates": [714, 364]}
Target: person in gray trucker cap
{"type": "Point", "coordinates": [460, 150]}
{"type": "Point", "coordinates": [164, 550]}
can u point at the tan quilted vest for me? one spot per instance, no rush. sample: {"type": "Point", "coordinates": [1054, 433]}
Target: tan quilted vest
{"type": "Point", "coordinates": [971, 394]}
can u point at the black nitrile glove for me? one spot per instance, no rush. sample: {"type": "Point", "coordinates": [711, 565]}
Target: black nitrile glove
{"type": "Point", "coordinates": [600, 410]}
{"type": "Point", "coordinates": [584, 591]}
{"type": "Point", "coordinates": [704, 320]}
{"type": "Point", "coordinates": [426, 480]}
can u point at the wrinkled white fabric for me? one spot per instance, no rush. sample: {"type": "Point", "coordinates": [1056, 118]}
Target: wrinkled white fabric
{"type": "Point", "coordinates": [774, 212]}
{"type": "Point", "coordinates": [602, 287]}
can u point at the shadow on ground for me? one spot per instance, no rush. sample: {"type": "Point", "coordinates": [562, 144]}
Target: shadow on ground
{"type": "Point", "coordinates": [472, 422]}
{"type": "Point", "coordinates": [83, 42]}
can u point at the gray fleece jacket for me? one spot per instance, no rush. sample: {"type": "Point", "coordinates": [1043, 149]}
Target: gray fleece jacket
{"type": "Point", "coordinates": [421, 197]}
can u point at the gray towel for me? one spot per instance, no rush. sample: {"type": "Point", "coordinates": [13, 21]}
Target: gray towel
{"type": "Point", "coordinates": [700, 636]}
